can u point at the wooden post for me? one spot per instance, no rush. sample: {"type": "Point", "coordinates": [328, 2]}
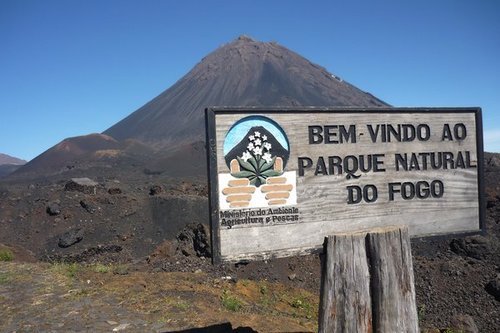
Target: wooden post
{"type": "Point", "coordinates": [345, 291]}
{"type": "Point", "coordinates": [392, 286]}
{"type": "Point", "coordinates": [367, 283]}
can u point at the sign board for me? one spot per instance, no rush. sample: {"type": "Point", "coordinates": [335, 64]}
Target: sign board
{"type": "Point", "coordinates": [283, 179]}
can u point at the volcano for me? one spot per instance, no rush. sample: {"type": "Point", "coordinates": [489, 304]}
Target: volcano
{"type": "Point", "coordinates": [244, 72]}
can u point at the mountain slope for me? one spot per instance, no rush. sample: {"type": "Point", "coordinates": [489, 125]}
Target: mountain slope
{"type": "Point", "coordinates": [242, 73]}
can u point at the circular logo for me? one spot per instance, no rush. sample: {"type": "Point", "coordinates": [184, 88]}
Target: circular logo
{"type": "Point", "coordinates": [256, 148]}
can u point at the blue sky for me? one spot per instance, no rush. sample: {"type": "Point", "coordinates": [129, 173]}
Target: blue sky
{"type": "Point", "coordinates": [70, 68]}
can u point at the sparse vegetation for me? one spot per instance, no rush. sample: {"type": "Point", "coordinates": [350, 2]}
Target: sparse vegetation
{"type": "Point", "coordinates": [245, 282]}
{"type": "Point", "coordinates": [68, 270]}
{"type": "Point", "coordinates": [72, 269]}
{"type": "Point", "coordinates": [421, 313]}
{"type": "Point", "coordinates": [6, 255]}
{"type": "Point", "coordinates": [263, 289]}
{"type": "Point", "coordinates": [101, 268]}
{"type": "Point", "coordinates": [304, 306]}
{"type": "Point", "coordinates": [177, 303]}
{"type": "Point", "coordinates": [230, 302]}
{"type": "Point", "coordinates": [267, 299]}
{"type": "Point", "coordinates": [182, 305]}
{"type": "Point", "coordinates": [4, 278]}
{"type": "Point", "coordinates": [79, 293]}
{"type": "Point", "coordinates": [171, 299]}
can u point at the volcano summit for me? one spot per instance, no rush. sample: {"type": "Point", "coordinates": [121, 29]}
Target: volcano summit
{"type": "Point", "coordinates": [242, 73]}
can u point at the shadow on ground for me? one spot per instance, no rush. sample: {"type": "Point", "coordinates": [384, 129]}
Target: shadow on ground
{"type": "Point", "coordinates": [219, 328]}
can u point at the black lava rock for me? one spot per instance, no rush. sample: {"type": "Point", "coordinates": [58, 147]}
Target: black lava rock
{"type": "Point", "coordinates": [88, 206]}
{"type": "Point", "coordinates": [194, 240]}
{"type": "Point", "coordinates": [114, 190]}
{"type": "Point", "coordinates": [155, 190]}
{"type": "Point", "coordinates": [53, 209]}
{"type": "Point", "coordinates": [493, 288]}
{"type": "Point", "coordinates": [84, 185]}
{"type": "Point", "coordinates": [476, 247]}
{"type": "Point", "coordinates": [70, 238]}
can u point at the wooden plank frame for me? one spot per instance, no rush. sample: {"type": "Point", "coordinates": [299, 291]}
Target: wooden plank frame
{"type": "Point", "coordinates": [212, 158]}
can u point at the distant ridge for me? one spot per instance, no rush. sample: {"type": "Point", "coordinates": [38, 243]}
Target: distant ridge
{"type": "Point", "coordinates": [7, 159]}
{"type": "Point", "coordinates": [9, 164]}
{"type": "Point", "coordinates": [244, 72]}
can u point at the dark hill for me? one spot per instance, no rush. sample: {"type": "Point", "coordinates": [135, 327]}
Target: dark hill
{"type": "Point", "coordinates": [63, 155]}
{"type": "Point", "coordinates": [92, 155]}
{"type": "Point", "coordinates": [242, 73]}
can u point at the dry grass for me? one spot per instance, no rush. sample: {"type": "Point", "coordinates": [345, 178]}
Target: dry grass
{"type": "Point", "coordinates": [178, 300]}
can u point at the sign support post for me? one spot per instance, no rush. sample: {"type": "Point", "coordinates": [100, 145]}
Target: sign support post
{"type": "Point", "coordinates": [367, 283]}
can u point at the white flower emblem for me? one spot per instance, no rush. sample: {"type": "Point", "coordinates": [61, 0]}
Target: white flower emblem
{"type": "Point", "coordinates": [257, 151]}
{"type": "Point", "coordinates": [256, 161]}
{"type": "Point", "coordinates": [246, 156]}
{"type": "Point", "coordinates": [267, 157]}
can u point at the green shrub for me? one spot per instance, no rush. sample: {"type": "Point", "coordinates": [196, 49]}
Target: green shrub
{"type": "Point", "coordinates": [6, 255]}
{"type": "Point", "coordinates": [304, 305]}
{"type": "Point", "coordinates": [230, 302]}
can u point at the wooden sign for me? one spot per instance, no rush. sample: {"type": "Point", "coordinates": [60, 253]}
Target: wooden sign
{"type": "Point", "coordinates": [283, 179]}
